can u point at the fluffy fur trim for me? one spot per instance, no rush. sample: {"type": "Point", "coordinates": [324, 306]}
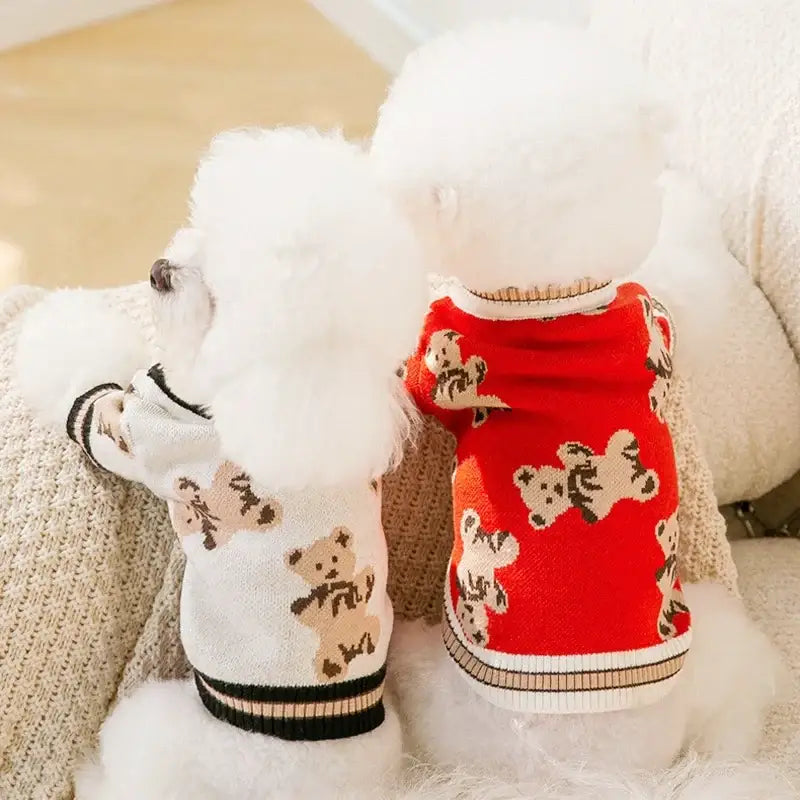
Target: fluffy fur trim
{"type": "Point", "coordinates": [70, 342]}
{"type": "Point", "coordinates": [160, 743]}
{"type": "Point", "coordinates": [692, 778]}
{"type": "Point", "coordinates": [525, 154]}
{"type": "Point", "coordinates": [319, 291]}
{"type": "Point", "coordinates": [718, 707]}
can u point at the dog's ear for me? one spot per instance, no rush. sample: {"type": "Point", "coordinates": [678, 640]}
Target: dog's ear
{"type": "Point", "coordinates": [324, 423]}
{"type": "Point", "coordinates": [445, 201]}
{"type": "Point", "coordinates": [320, 292]}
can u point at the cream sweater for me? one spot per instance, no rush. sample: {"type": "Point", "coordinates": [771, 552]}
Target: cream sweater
{"type": "Point", "coordinates": [284, 611]}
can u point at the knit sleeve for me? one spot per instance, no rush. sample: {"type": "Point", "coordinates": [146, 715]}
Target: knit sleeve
{"type": "Point", "coordinates": [130, 432]}
{"type": "Point", "coordinates": [99, 423]}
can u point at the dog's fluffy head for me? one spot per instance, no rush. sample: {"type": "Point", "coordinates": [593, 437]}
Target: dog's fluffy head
{"type": "Point", "coordinates": [295, 294]}
{"type": "Point", "coordinates": [525, 154]}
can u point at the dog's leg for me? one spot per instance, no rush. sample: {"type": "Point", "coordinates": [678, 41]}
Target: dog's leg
{"type": "Point", "coordinates": [162, 744]}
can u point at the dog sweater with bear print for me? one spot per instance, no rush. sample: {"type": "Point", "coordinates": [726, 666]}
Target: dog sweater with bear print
{"type": "Point", "coordinates": [284, 612]}
{"type": "Point", "coordinates": [562, 593]}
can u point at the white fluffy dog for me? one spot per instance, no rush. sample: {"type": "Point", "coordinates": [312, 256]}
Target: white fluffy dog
{"type": "Point", "coordinates": [282, 312]}
{"type": "Point", "coordinates": [526, 155]}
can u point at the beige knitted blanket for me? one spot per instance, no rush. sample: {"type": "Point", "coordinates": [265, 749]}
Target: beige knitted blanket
{"type": "Point", "coordinates": [90, 570]}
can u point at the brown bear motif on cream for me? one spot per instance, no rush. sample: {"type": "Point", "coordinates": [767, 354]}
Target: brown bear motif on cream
{"type": "Point", "coordinates": [478, 587]}
{"type": "Point", "coordinates": [672, 602]}
{"type": "Point", "coordinates": [108, 411]}
{"type": "Point", "coordinates": [336, 606]}
{"type": "Point", "coordinates": [591, 482]}
{"type": "Point", "coordinates": [457, 381]}
{"type": "Point", "coordinates": [659, 360]}
{"type": "Point", "coordinates": [229, 505]}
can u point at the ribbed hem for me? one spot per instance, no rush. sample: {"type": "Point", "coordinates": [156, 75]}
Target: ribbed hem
{"type": "Point", "coordinates": [298, 713]}
{"type": "Point", "coordinates": [583, 298]}
{"type": "Point", "coordinates": [511, 294]}
{"type": "Point", "coordinates": [567, 684]}
{"type": "Point", "coordinates": [79, 419]}
{"type": "Point", "coordinates": [77, 414]}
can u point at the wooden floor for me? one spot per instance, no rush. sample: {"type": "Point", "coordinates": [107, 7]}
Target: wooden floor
{"type": "Point", "coordinates": [100, 129]}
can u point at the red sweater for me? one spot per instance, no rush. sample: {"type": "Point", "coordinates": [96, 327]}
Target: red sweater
{"type": "Point", "coordinates": [562, 593]}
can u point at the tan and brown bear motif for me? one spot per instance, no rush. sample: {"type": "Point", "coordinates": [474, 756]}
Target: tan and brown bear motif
{"type": "Point", "coordinates": [457, 381]}
{"type": "Point", "coordinates": [478, 588]}
{"type": "Point", "coordinates": [108, 412]}
{"type": "Point", "coordinates": [336, 606]}
{"type": "Point", "coordinates": [590, 482]}
{"type": "Point", "coordinates": [659, 360]}
{"type": "Point", "coordinates": [229, 505]}
{"type": "Point", "coordinates": [667, 577]}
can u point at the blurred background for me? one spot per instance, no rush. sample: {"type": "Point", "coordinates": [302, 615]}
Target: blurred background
{"type": "Point", "coordinates": [105, 106]}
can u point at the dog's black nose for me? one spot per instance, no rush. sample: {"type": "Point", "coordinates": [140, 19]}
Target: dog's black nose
{"type": "Point", "coordinates": [160, 275]}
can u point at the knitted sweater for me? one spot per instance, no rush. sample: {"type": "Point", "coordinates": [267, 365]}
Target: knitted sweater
{"type": "Point", "coordinates": [562, 593]}
{"type": "Point", "coordinates": [284, 611]}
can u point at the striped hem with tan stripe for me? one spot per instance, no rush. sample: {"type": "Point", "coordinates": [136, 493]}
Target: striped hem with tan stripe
{"type": "Point", "coordinates": [512, 294]}
{"type": "Point", "coordinates": [568, 691]}
{"type": "Point", "coordinates": [310, 713]}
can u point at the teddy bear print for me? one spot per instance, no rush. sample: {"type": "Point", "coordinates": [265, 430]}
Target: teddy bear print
{"type": "Point", "coordinates": [336, 606]}
{"type": "Point", "coordinates": [478, 588]}
{"type": "Point", "coordinates": [659, 360]}
{"type": "Point", "coordinates": [108, 411]}
{"type": "Point", "coordinates": [229, 505]}
{"type": "Point", "coordinates": [457, 381]}
{"type": "Point", "coordinates": [667, 577]}
{"type": "Point", "coordinates": [591, 482]}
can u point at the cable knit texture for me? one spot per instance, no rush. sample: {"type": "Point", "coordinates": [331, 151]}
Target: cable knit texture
{"type": "Point", "coordinates": [417, 518]}
{"type": "Point", "coordinates": [82, 559]}
{"type": "Point", "coordinates": [704, 553]}
{"type": "Point", "coordinates": [91, 569]}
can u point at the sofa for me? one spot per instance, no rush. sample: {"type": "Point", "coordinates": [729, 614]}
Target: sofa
{"type": "Point", "coordinates": [730, 68]}
{"type": "Point", "coordinates": [99, 617]}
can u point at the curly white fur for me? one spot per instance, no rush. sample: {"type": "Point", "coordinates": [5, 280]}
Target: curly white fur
{"type": "Point", "coordinates": [299, 291]}
{"type": "Point", "coordinates": [161, 744]}
{"type": "Point", "coordinates": [692, 778]}
{"type": "Point", "coordinates": [70, 342]}
{"type": "Point", "coordinates": [525, 154]}
{"type": "Point", "coordinates": [730, 679]}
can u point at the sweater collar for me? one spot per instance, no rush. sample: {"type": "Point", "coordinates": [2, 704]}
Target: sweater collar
{"type": "Point", "coordinates": [156, 375]}
{"type": "Point", "coordinates": [581, 296]}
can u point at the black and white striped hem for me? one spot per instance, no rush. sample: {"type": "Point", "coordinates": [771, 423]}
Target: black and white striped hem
{"type": "Point", "coordinates": [79, 419]}
{"type": "Point", "coordinates": [298, 713]}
